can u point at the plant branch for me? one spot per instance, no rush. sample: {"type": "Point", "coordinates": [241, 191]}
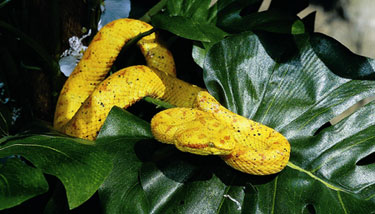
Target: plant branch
{"type": "Point", "coordinates": [154, 10]}
{"type": "Point", "coordinates": [158, 102]}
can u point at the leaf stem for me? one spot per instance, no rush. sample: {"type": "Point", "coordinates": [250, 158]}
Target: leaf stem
{"type": "Point", "coordinates": [159, 103]}
{"type": "Point", "coordinates": [154, 10]}
{"type": "Point", "coordinates": [137, 38]}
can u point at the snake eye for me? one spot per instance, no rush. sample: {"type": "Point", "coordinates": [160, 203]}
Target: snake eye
{"type": "Point", "coordinates": [210, 144]}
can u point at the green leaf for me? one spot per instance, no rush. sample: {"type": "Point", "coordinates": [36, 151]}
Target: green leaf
{"type": "Point", "coordinates": [343, 62]}
{"type": "Point", "coordinates": [309, 22]}
{"type": "Point", "coordinates": [195, 20]}
{"type": "Point", "coordinates": [57, 203]}
{"type": "Point", "coordinates": [120, 123]}
{"type": "Point", "coordinates": [298, 27]}
{"type": "Point", "coordinates": [168, 189]}
{"type": "Point", "coordinates": [241, 15]}
{"type": "Point", "coordinates": [199, 54]}
{"type": "Point", "coordinates": [119, 135]}
{"type": "Point", "coordinates": [270, 21]}
{"type": "Point", "coordinates": [80, 165]}
{"type": "Point", "coordinates": [198, 10]}
{"type": "Point", "coordinates": [233, 11]}
{"type": "Point", "coordinates": [122, 184]}
{"type": "Point", "coordinates": [188, 28]}
{"type": "Point", "coordinates": [297, 97]}
{"type": "Point", "coordinates": [19, 182]}
{"type": "Point", "coordinates": [331, 181]}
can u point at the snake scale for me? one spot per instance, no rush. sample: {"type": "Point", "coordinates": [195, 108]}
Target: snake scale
{"type": "Point", "coordinates": [199, 124]}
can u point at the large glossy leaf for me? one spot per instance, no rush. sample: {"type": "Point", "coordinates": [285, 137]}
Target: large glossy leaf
{"type": "Point", "coordinates": [289, 88]}
{"type": "Point", "coordinates": [344, 62]}
{"type": "Point", "coordinates": [80, 165]}
{"type": "Point", "coordinates": [297, 97]}
{"type": "Point", "coordinates": [120, 136]}
{"type": "Point", "coordinates": [19, 182]}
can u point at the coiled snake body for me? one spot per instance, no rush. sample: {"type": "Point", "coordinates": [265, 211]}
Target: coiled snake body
{"type": "Point", "coordinates": [199, 124]}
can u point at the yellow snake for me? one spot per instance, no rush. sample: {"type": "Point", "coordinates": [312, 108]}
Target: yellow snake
{"type": "Point", "coordinates": [199, 124]}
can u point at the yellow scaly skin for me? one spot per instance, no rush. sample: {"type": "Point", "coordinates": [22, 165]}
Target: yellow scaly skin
{"type": "Point", "coordinates": [124, 88]}
{"type": "Point", "coordinates": [211, 129]}
{"type": "Point", "coordinates": [201, 127]}
{"type": "Point", "coordinates": [99, 58]}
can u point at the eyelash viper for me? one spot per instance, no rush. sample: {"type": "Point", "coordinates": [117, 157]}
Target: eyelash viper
{"type": "Point", "coordinates": [199, 124]}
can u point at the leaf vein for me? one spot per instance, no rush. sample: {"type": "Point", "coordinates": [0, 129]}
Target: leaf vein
{"type": "Point", "coordinates": [274, 97]}
{"type": "Point", "coordinates": [330, 186]}
{"type": "Point", "coordinates": [344, 150]}
{"type": "Point", "coordinates": [317, 102]}
{"type": "Point", "coordinates": [6, 182]}
{"type": "Point", "coordinates": [45, 147]}
{"type": "Point", "coordinates": [274, 196]}
{"type": "Point", "coordinates": [341, 202]}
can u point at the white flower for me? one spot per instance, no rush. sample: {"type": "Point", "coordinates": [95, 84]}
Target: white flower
{"type": "Point", "coordinates": [111, 10]}
{"type": "Point", "coordinates": [71, 56]}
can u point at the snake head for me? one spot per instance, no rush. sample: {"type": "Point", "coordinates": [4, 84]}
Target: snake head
{"type": "Point", "coordinates": [205, 136]}
{"type": "Point", "coordinates": [192, 130]}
